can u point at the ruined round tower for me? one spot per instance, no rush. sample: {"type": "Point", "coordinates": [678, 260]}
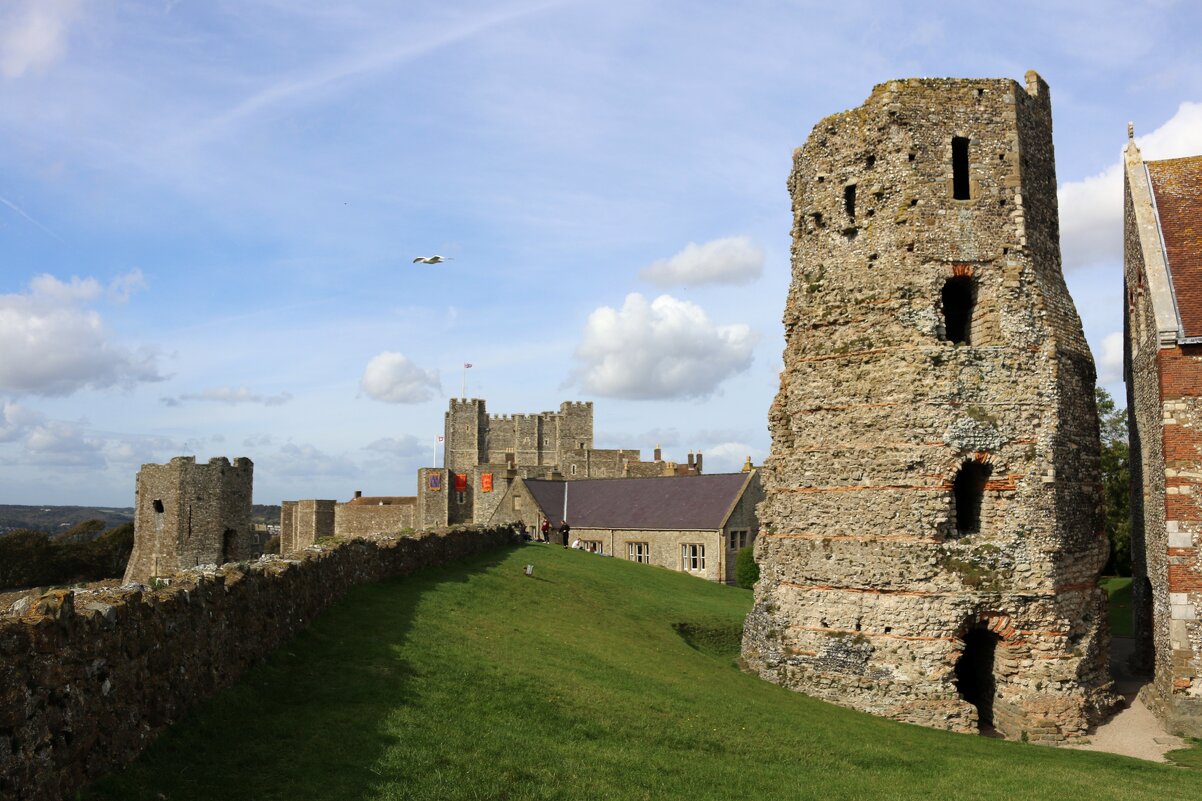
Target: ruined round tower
{"type": "Point", "coordinates": [932, 533]}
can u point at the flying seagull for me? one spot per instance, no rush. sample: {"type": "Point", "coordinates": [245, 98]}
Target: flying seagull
{"type": "Point", "coordinates": [431, 259]}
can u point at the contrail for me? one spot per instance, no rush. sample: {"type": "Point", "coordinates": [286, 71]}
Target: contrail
{"type": "Point", "coordinates": [29, 219]}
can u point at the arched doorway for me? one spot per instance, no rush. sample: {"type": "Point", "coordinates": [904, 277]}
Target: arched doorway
{"type": "Point", "coordinates": [976, 673]}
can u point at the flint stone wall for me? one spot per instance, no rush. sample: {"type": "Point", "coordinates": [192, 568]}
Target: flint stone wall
{"type": "Point", "coordinates": [868, 591]}
{"type": "Point", "coordinates": [88, 680]}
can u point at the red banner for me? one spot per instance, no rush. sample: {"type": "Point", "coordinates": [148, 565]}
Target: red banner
{"type": "Point", "coordinates": [486, 482]}
{"type": "Point", "coordinates": [461, 482]}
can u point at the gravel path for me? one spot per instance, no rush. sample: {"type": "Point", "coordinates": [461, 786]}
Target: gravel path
{"type": "Point", "coordinates": [1133, 731]}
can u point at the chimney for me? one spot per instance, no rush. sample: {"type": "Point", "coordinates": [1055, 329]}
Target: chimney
{"type": "Point", "coordinates": [358, 493]}
{"type": "Point", "coordinates": [659, 455]}
{"type": "Point", "coordinates": [698, 462]}
{"type": "Point", "coordinates": [690, 461]}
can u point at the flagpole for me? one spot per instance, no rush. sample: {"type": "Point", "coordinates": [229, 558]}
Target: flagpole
{"type": "Point", "coordinates": [466, 366]}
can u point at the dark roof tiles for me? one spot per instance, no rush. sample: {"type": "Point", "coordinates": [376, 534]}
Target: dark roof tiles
{"type": "Point", "coordinates": [667, 503]}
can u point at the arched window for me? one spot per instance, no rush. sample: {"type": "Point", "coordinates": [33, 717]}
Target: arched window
{"type": "Point", "coordinates": [968, 490]}
{"type": "Point", "coordinates": [959, 296]}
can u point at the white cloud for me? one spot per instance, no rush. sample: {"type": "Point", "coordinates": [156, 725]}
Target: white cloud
{"type": "Point", "coordinates": [16, 421]}
{"type": "Point", "coordinates": [729, 457]}
{"type": "Point", "coordinates": [1110, 360]}
{"type": "Point", "coordinates": [121, 287]}
{"type": "Point", "coordinates": [229, 395]}
{"type": "Point", "coordinates": [392, 378]}
{"type": "Point", "coordinates": [54, 345]}
{"type": "Point", "coordinates": [308, 462]}
{"type": "Point", "coordinates": [34, 34]}
{"type": "Point", "coordinates": [733, 260]}
{"type": "Point", "coordinates": [405, 445]}
{"type": "Point", "coordinates": [1091, 210]}
{"type": "Point", "coordinates": [63, 444]}
{"type": "Point", "coordinates": [667, 348]}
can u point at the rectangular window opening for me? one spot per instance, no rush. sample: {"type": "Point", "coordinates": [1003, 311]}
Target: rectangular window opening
{"type": "Point", "coordinates": [960, 185]}
{"type": "Point", "coordinates": [638, 552]}
{"type": "Point", "coordinates": [849, 200]}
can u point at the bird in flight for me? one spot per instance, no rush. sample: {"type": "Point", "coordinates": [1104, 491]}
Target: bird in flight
{"type": "Point", "coordinates": [431, 259]}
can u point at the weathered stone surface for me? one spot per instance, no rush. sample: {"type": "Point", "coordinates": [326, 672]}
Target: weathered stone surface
{"type": "Point", "coordinates": [874, 587]}
{"type": "Point", "coordinates": [187, 514]}
{"type": "Point", "coordinates": [88, 680]}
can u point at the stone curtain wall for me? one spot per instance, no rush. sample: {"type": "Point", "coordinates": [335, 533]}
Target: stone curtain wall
{"type": "Point", "coordinates": [870, 594]}
{"type": "Point", "coordinates": [89, 679]}
{"type": "Point", "coordinates": [359, 520]}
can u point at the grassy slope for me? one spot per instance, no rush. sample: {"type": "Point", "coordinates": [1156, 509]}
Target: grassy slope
{"type": "Point", "coordinates": [1119, 588]}
{"type": "Point", "coordinates": [475, 681]}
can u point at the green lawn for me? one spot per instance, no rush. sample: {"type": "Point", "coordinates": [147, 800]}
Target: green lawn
{"type": "Point", "coordinates": [1120, 605]}
{"type": "Point", "coordinates": [595, 679]}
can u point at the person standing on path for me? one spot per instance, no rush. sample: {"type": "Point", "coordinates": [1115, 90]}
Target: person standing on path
{"type": "Point", "coordinates": [546, 529]}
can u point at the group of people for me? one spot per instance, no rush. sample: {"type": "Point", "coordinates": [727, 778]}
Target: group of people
{"type": "Point", "coordinates": [565, 531]}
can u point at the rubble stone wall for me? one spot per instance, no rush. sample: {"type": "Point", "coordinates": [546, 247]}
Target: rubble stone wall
{"type": "Point", "coordinates": [89, 679]}
{"type": "Point", "coordinates": [358, 520]}
{"type": "Point", "coordinates": [187, 514]}
{"type": "Point", "coordinates": [875, 591]}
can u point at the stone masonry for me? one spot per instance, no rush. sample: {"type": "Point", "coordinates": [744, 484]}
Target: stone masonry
{"type": "Point", "coordinates": [932, 536]}
{"type": "Point", "coordinates": [1163, 370]}
{"type": "Point", "coordinates": [188, 514]}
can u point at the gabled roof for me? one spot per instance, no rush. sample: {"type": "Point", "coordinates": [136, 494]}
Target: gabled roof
{"type": "Point", "coordinates": [1177, 187]}
{"type": "Point", "coordinates": [382, 500]}
{"type": "Point", "coordinates": [663, 503]}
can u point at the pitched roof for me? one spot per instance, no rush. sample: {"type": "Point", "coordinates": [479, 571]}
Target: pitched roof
{"type": "Point", "coordinates": [382, 500]}
{"type": "Point", "coordinates": [1177, 186]}
{"type": "Point", "coordinates": [665, 503]}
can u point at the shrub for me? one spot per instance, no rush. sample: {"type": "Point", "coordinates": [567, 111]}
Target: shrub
{"type": "Point", "coordinates": [34, 559]}
{"type": "Point", "coordinates": [747, 572]}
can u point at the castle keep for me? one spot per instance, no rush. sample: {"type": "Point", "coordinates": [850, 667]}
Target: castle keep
{"type": "Point", "coordinates": [188, 514]}
{"type": "Point", "coordinates": [932, 535]}
{"type": "Point", "coordinates": [1163, 370]}
{"type": "Point", "coordinates": [485, 454]}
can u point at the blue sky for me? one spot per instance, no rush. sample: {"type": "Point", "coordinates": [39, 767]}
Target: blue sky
{"type": "Point", "coordinates": [209, 211]}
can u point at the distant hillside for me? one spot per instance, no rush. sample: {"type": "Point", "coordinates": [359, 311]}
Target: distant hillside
{"type": "Point", "coordinates": [56, 519]}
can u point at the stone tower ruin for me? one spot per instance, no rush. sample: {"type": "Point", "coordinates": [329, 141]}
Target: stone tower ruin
{"type": "Point", "coordinates": [932, 534]}
{"type": "Point", "coordinates": [188, 514]}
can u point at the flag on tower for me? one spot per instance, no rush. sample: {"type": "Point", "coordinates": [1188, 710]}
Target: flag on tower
{"type": "Point", "coordinates": [439, 439]}
{"type": "Point", "coordinates": [466, 365]}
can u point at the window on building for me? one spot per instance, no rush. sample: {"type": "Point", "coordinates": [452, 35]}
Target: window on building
{"type": "Point", "coordinates": [692, 556]}
{"type": "Point", "coordinates": [737, 540]}
{"type": "Point", "coordinates": [959, 296]}
{"type": "Point", "coordinates": [592, 546]}
{"type": "Point", "coordinates": [461, 497]}
{"type": "Point", "coordinates": [573, 469]}
{"type": "Point", "coordinates": [158, 505]}
{"type": "Point", "coordinates": [960, 184]}
{"type": "Point", "coordinates": [968, 490]}
{"type": "Point", "coordinates": [517, 502]}
{"type": "Point", "coordinates": [638, 552]}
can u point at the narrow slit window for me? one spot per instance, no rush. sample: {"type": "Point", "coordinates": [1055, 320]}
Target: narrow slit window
{"type": "Point", "coordinates": [959, 297]}
{"type": "Point", "coordinates": [849, 200]}
{"type": "Point", "coordinates": [969, 490]}
{"type": "Point", "coordinates": [960, 168]}
{"type": "Point", "coordinates": [158, 505]}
